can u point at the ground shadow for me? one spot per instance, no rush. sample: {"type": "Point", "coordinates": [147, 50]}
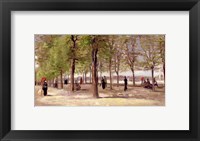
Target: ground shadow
{"type": "Point", "coordinates": [49, 95]}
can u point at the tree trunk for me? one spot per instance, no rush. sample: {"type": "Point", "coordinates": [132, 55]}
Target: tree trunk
{"type": "Point", "coordinates": [74, 39]}
{"type": "Point", "coordinates": [90, 76]}
{"type": "Point", "coordinates": [85, 77]}
{"type": "Point", "coordinates": [117, 71]}
{"type": "Point", "coordinates": [52, 83]}
{"type": "Point", "coordinates": [133, 74]}
{"type": "Point", "coordinates": [164, 71]}
{"type": "Point", "coordinates": [117, 79]}
{"type": "Point", "coordinates": [110, 63]}
{"type": "Point", "coordinates": [57, 82]}
{"type": "Point", "coordinates": [94, 73]}
{"type": "Point", "coordinates": [152, 72]}
{"type": "Point", "coordinates": [72, 74]}
{"type": "Point", "coordinates": [61, 79]}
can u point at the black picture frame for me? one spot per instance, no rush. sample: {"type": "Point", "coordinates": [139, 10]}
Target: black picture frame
{"type": "Point", "coordinates": [6, 6]}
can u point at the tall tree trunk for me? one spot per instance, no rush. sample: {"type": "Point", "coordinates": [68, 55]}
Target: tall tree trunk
{"type": "Point", "coordinates": [94, 73]}
{"type": "Point", "coordinates": [152, 73]}
{"type": "Point", "coordinates": [117, 70]}
{"type": "Point", "coordinates": [90, 76]}
{"type": "Point", "coordinates": [57, 78]}
{"type": "Point", "coordinates": [164, 71]}
{"type": "Point", "coordinates": [117, 78]}
{"type": "Point", "coordinates": [74, 39]}
{"type": "Point", "coordinates": [52, 83]}
{"type": "Point", "coordinates": [110, 64]}
{"type": "Point", "coordinates": [85, 77]}
{"type": "Point", "coordinates": [118, 63]}
{"type": "Point", "coordinates": [61, 79]}
{"type": "Point", "coordinates": [72, 74]}
{"type": "Point", "coordinates": [133, 75]}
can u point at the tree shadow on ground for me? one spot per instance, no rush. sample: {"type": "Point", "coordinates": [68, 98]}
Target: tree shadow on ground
{"type": "Point", "coordinates": [49, 95]}
{"type": "Point", "coordinates": [115, 97]}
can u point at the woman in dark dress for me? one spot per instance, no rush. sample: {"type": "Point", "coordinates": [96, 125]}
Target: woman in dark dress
{"type": "Point", "coordinates": [103, 84]}
{"type": "Point", "coordinates": [45, 87]}
{"type": "Point", "coordinates": [125, 83]}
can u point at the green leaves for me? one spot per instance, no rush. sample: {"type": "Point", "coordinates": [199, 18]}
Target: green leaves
{"type": "Point", "coordinates": [55, 52]}
{"type": "Point", "coordinates": [151, 50]}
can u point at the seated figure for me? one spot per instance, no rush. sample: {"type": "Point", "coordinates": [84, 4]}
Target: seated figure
{"type": "Point", "coordinates": [147, 85]}
{"type": "Point", "coordinates": [77, 86]}
{"type": "Point", "coordinates": [155, 82]}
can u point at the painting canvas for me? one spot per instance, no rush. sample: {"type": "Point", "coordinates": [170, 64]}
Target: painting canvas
{"type": "Point", "coordinates": [99, 70]}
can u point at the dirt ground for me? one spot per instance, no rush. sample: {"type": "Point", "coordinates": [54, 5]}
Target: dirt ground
{"type": "Point", "coordinates": [134, 96]}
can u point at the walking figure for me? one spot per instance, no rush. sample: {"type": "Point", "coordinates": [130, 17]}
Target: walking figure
{"type": "Point", "coordinates": [56, 84]}
{"type": "Point", "coordinates": [45, 87]}
{"type": "Point", "coordinates": [103, 83]}
{"type": "Point", "coordinates": [81, 80]}
{"type": "Point", "coordinates": [125, 83]}
{"type": "Point", "coordinates": [66, 81]}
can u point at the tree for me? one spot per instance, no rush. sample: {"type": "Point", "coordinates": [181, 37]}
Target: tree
{"type": "Point", "coordinates": [131, 54]}
{"type": "Point", "coordinates": [161, 41]}
{"type": "Point", "coordinates": [111, 41]}
{"type": "Point", "coordinates": [58, 60]}
{"type": "Point", "coordinates": [74, 39]}
{"type": "Point", "coordinates": [119, 45]}
{"type": "Point", "coordinates": [95, 46]}
{"type": "Point", "coordinates": [95, 43]}
{"type": "Point", "coordinates": [52, 53]}
{"type": "Point", "coordinates": [43, 44]}
{"type": "Point", "coordinates": [150, 53]}
{"type": "Point", "coordinates": [83, 66]}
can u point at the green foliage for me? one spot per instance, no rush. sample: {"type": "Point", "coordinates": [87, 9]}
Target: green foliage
{"type": "Point", "coordinates": [55, 52]}
{"type": "Point", "coordinates": [55, 60]}
{"type": "Point", "coordinates": [150, 51]}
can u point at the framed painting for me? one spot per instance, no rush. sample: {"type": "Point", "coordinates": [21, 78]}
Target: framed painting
{"type": "Point", "coordinates": [99, 70]}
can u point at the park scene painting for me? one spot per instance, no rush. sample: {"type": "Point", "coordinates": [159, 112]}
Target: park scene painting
{"type": "Point", "coordinates": [99, 70]}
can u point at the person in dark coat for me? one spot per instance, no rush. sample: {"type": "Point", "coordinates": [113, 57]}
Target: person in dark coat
{"type": "Point", "coordinates": [148, 84]}
{"type": "Point", "coordinates": [103, 83]}
{"type": "Point", "coordinates": [81, 80]}
{"type": "Point", "coordinates": [125, 83]}
{"type": "Point", "coordinates": [56, 84]}
{"type": "Point", "coordinates": [45, 88]}
{"type": "Point", "coordinates": [66, 81]}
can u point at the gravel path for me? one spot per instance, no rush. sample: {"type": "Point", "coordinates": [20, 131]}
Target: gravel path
{"type": "Point", "coordinates": [134, 96]}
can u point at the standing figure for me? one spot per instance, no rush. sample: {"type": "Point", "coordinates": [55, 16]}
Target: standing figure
{"type": "Point", "coordinates": [45, 87]}
{"type": "Point", "coordinates": [105, 81]}
{"type": "Point", "coordinates": [81, 80]}
{"type": "Point", "coordinates": [103, 84]}
{"type": "Point", "coordinates": [66, 81]}
{"type": "Point", "coordinates": [125, 83]}
{"type": "Point", "coordinates": [56, 84]}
